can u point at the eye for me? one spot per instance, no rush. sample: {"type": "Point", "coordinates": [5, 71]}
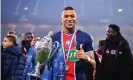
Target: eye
{"type": "Point", "coordinates": [72, 16]}
{"type": "Point", "coordinates": [65, 16]}
{"type": "Point", "coordinates": [4, 40]}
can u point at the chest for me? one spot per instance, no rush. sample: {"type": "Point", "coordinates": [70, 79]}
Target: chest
{"type": "Point", "coordinates": [69, 41]}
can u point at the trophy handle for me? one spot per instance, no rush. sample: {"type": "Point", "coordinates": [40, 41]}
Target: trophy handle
{"type": "Point", "coordinates": [54, 49]}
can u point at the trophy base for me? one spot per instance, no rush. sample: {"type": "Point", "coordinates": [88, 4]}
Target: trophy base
{"type": "Point", "coordinates": [34, 74]}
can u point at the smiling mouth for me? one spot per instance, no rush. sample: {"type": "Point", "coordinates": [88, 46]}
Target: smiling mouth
{"type": "Point", "coordinates": [70, 24]}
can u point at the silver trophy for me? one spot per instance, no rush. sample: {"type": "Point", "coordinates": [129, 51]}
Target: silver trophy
{"type": "Point", "coordinates": [44, 49]}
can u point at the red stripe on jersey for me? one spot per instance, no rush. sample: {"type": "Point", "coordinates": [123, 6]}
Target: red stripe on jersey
{"type": "Point", "coordinates": [70, 74]}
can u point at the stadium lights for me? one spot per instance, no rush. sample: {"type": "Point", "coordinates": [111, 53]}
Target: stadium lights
{"type": "Point", "coordinates": [120, 10]}
{"type": "Point", "coordinates": [26, 8]}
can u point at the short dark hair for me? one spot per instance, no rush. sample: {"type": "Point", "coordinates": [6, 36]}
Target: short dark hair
{"type": "Point", "coordinates": [29, 33]}
{"type": "Point", "coordinates": [11, 38]}
{"type": "Point", "coordinates": [101, 42]}
{"type": "Point", "coordinates": [68, 8]}
{"type": "Point", "coordinates": [114, 27]}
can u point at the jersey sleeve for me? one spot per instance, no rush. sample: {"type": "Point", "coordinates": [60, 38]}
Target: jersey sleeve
{"type": "Point", "coordinates": [89, 43]}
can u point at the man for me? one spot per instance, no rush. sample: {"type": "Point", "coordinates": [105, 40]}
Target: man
{"type": "Point", "coordinates": [100, 49]}
{"type": "Point", "coordinates": [30, 60]}
{"type": "Point", "coordinates": [98, 56]}
{"type": "Point", "coordinates": [117, 61]}
{"type": "Point", "coordinates": [13, 33]}
{"type": "Point", "coordinates": [76, 46]}
{"type": "Point", "coordinates": [26, 42]}
{"type": "Point", "coordinates": [12, 60]}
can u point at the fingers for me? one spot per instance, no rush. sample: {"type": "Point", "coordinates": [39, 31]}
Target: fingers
{"type": "Point", "coordinates": [80, 53]}
{"type": "Point", "coordinates": [81, 46]}
{"type": "Point", "coordinates": [80, 49]}
{"type": "Point", "coordinates": [77, 51]}
{"type": "Point", "coordinates": [79, 56]}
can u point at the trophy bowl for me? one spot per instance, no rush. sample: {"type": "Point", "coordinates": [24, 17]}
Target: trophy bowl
{"type": "Point", "coordinates": [44, 49]}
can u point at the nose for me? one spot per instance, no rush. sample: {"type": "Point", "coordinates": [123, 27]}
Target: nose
{"type": "Point", "coordinates": [107, 34]}
{"type": "Point", "coordinates": [69, 18]}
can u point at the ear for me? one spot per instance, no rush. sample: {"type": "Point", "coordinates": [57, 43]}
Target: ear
{"type": "Point", "coordinates": [115, 33]}
{"type": "Point", "coordinates": [11, 42]}
{"type": "Point", "coordinates": [61, 19]}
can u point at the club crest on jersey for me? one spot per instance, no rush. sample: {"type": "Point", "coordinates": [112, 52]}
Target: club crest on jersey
{"type": "Point", "coordinates": [74, 43]}
{"type": "Point", "coordinates": [68, 43]}
{"type": "Point", "coordinates": [61, 65]}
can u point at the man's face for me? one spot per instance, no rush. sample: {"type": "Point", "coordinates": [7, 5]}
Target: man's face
{"type": "Point", "coordinates": [68, 18]}
{"type": "Point", "coordinates": [6, 43]}
{"type": "Point", "coordinates": [33, 41]}
{"type": "Point", "coordinates": [29, 37]}
{"type": "Point", "coordinates": [110, 32]}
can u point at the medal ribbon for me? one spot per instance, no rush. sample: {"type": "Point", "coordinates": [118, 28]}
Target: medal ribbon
{"type": "Point", "coordinates": [68, 54]}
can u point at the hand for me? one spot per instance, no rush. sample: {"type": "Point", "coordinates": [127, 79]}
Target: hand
{"type": "Point", "coordinates": [80, 54]}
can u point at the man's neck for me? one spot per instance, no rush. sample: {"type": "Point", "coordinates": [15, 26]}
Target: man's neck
{"type": "Point", "coordinates": [68, 31]}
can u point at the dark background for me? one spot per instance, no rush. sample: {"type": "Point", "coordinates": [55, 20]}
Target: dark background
{"type": "Point", "coordinates": [42, 16]}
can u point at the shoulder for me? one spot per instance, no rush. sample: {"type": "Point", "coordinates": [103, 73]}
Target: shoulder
{"type": "Point", "coordinates": [11, 53]}
{"type": "Point", "coordinates": [56, 36]}
{"type": "Point", "coordinates": [124, 43]}
{"type": "Point", "coordinates": [124, 46]}
{"type": "Point", "coordinates": [5, 53]}
{"type": "Point", "coordinates": [5, 56]}
{"type": "Point", "coordinates": [84, 35]}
